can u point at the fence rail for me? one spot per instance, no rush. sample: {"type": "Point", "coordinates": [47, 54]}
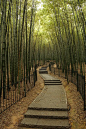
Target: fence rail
{"type": "Point", "coordinates": [75, 78]}
{"type": "Point", "coordinates": [16, 93]}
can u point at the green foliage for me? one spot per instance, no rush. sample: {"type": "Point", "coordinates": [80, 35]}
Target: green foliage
{"type": "Point", "coordinates": [36, 30]}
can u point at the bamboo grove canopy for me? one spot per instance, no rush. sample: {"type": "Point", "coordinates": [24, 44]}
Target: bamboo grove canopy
{"type": "Point", "coordinates": [34, 30]}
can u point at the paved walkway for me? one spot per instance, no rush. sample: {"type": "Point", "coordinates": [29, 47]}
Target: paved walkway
{"type": "Point", "coordinates": [49, 109]}
{"type": "Point", "coordinates": [48, 77]}
{"type": "Point", "coordinates": [52, 96]}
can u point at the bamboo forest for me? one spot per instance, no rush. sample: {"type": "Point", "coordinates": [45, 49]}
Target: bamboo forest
{"type": "Point", "coordinates": [34, 33]}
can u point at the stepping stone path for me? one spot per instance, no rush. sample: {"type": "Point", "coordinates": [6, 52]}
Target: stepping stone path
{"type": "Point", "coordinates": [49, 110]}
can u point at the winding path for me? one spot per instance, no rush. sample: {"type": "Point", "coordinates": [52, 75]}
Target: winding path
{"type": "Point", "coordinates": [49, 110]}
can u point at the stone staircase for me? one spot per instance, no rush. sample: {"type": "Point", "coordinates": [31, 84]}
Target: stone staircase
{"type": "Point", "coordinates": [46, 114]}
{"type": "Point", "coordinates": [49, 110]}
{"type": "Point", "coordinates": [52, 82]}
{"type": "Point", "coordinates": [46, 119]}
{"type": "Point", "coordinates": [43, 70]}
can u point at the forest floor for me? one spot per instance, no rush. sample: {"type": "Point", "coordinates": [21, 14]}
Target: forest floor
{"type": "Point", "coordinates": [77, 115]}
{"type": "Point", "coordinates": [10, 118]}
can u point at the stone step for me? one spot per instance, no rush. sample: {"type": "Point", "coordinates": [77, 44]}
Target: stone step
{"type": "Point", "coordinates": [46, 114]}
{"type": "Point", "coordinates": [44, 67]}
{"type": "Point", "coordinates": [43, 72]}
{"type": "Point", "coordinates": [52, 80]}
{"type": "Point", "coordinates": [48, 109]}
{"type": "Point", "coordinates": [45, 123]}
{"type": "Point", "coordinates": [53, 83]}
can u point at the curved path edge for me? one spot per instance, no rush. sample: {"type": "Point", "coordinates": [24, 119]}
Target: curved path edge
{"type": "Point", "coordinates": [49, 109]}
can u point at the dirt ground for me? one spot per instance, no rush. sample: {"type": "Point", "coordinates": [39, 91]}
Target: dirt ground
{"type": "Point", "coordinates": [77, 116]}
{"type": "Point", "coordinates": [10, 118]}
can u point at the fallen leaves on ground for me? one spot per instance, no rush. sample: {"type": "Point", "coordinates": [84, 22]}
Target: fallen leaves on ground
{"type": "Point", "coordinates": [10, 118]}
{"type": "Point", "coordinates": [77, 115]}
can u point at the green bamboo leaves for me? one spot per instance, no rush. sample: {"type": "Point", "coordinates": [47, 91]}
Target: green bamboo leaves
{"type": "Point", "coordinates": [16, 23]}
{"type": "Point", "coordinates": [67, 33]}
{"type": "Point", "coordinates": [57, 31]}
